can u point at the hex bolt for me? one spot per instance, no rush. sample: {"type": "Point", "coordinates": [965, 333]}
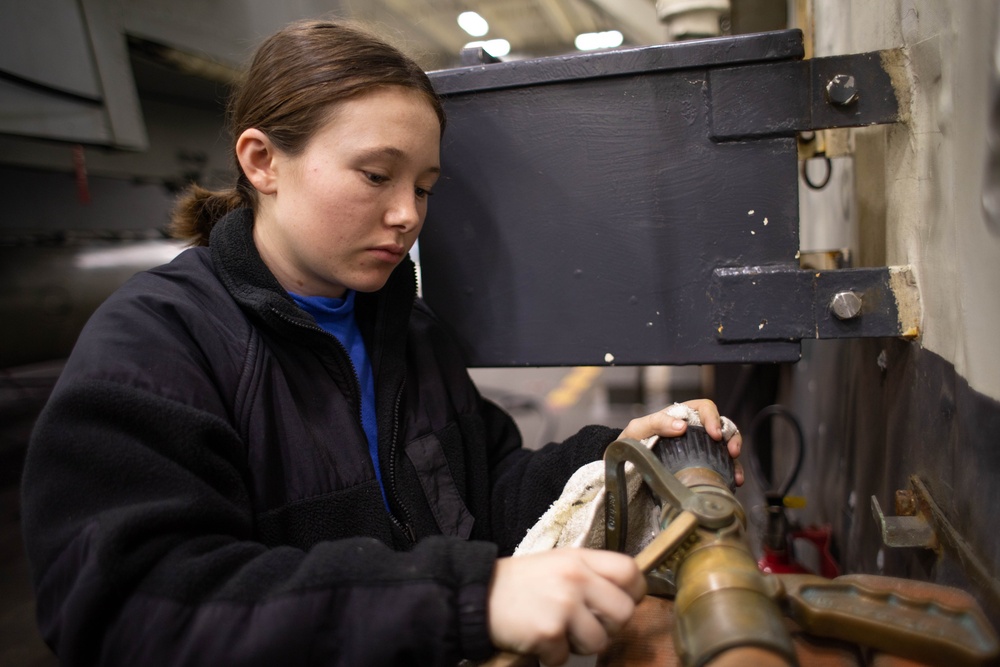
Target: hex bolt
{"type": "Point", "coordinates": [845, 305]}
{"type": "Point", "coordinates": [841, 90]}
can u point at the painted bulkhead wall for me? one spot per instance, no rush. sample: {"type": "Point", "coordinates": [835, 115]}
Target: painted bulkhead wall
{"type": "Point", "coordinates": [932, 167]}
{"type": "Point", "coordinates": [880, 413]}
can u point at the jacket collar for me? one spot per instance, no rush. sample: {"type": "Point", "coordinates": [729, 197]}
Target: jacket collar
{"type": "Point", "coordinates": [383, 314]}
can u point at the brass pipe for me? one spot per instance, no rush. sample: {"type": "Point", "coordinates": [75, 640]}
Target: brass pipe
{"type": "Point", "coordinates": [724, 604]}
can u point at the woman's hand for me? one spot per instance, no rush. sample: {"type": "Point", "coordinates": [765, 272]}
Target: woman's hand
{"type": "Point", "coordinates": [561, 601]}
{"type": "Point", "coordinates": [662, 424]}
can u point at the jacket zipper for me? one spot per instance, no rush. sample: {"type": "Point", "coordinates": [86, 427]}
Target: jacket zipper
{"type": "Point", "coordinates": [320, 330]}
{"type": "Point", "coordinates": [406, 526]}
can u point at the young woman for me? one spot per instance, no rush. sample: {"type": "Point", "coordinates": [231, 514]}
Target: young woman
{"type": "Point", "coordinates": [268, 451]}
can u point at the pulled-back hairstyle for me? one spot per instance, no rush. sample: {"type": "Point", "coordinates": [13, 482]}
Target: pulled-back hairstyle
{"type": "Point", "coordinates": [294, 79]}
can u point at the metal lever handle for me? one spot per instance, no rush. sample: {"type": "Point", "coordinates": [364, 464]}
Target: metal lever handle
{"type": "Point", "coordinates": [708, 511]}
{"type": "Point", "coordinates": [666, 541]}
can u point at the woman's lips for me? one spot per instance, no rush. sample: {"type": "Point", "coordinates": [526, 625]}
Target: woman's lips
{"type": "Point", "coordinates": [389, 252]}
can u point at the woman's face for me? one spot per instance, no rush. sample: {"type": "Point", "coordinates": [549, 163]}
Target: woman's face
{"type": "Point", "coordinates": [345, 212]}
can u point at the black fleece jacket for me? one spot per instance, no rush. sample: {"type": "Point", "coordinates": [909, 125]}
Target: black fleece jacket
{"type": "Point", "coordinates": [199, 491]}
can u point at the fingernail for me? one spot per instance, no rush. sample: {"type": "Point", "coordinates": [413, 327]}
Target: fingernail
{"type": "Point", "coordinates": [679, 424]}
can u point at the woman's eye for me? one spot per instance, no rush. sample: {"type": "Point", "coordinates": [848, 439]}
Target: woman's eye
{"type": "Point", "coordinates": [377, 179]}
{"type": "Point", "coordinates": [423, 193]}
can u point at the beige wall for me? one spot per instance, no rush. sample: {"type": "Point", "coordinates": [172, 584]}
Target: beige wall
{"type": "Point", "coordinates": [919, 184]}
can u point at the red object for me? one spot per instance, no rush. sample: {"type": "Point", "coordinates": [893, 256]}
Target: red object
{"type": "Point", "coordinates": [784, 561]}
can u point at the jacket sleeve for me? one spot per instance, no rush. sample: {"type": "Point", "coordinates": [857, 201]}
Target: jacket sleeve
{"type": "Point", "coordinates": [138, 525]}
{"type": "Point", "coordinates": [523, 483]}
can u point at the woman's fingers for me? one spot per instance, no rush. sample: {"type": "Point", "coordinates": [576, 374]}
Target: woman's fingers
{"type": "Point", "coordinates": [709, 415]}
{"type": "Point", "coordinates": [609, 600]}
{"type": "Point", "coordinates": [658, 423]}
{"type": "Point", "coordinates": [663, 424]}
{"type": "Point", "coordinates": [566, 599]}
{"type": "Point", "coordinates": [623, 573]}
{"type": "Point", "coordinates": [586, 633]}
{"type": "Point", "coordinates": [735, 445]}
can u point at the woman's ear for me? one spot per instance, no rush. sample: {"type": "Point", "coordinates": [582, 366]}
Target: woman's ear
{"type": "Point", "coordinates": [256, 155]}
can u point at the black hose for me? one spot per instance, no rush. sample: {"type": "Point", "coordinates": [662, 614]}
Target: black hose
{"type": "Point", "coordinates": [762, 417]}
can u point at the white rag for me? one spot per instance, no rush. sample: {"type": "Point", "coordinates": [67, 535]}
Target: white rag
{"type": "Point", "coordinates": [576, 518]}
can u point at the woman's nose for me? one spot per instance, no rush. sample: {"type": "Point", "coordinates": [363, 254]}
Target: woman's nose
{"type": "Point", "coordinates": [405, 211]}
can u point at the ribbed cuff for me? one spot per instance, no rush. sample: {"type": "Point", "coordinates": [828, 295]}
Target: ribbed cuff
{"type": "Point", "coordinates": [473, 613]}
{"type": "Point", "coordinates": [473, 623]}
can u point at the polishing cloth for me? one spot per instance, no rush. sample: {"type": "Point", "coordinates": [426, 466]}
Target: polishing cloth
{"type": "Point", "coordinates": [576, 518]}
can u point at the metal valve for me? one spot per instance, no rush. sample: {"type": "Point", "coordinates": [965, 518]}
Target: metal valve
{"type": "Point", "coordinates": [725, 604]}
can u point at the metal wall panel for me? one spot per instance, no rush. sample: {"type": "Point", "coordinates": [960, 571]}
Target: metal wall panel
{"type": "Point", "coordinates": [45, 42]}
{"type": "Point", "coordinates": [588, 200]}
{"type": "Point", "coordinates": [65, 74]}
{"type": "Point", "coordinates": [584, 206]}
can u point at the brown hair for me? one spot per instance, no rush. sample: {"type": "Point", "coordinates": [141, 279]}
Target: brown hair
{"type": "Point", "coordinates": [294, 78]}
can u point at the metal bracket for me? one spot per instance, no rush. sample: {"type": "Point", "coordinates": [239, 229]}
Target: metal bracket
{"type": "Point", "coordinates": [476, 55]}
{"type": "Point", "coordinates": [758, 303]}
{"type": "Point", "coordinates": [921, 522]}
{"type": "Point", "coordinates": [777, 99]}
{"type": "Point", "coordinates": [906, 530]}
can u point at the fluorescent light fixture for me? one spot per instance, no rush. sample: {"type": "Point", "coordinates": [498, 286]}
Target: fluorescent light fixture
{"type": "Point", "coordinates": [473, 23]}
{"type": "Point", "coordinates": [589, 41]}
{"type": "Point", "coordinates": [140, 254]}
{"type": "Point", "coordinates": [497, 48]}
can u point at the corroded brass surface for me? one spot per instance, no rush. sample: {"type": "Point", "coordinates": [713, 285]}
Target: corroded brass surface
{"type": "Point", "coordinates": [724, 601]}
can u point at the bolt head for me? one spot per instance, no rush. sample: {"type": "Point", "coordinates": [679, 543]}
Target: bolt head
{"type": "Point", "coordinates": [845, 305]}
{"type": "Point", "coordinates": [841, 90]}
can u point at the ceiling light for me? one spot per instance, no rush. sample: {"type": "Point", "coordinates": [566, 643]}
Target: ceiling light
{"type": "Point", "coordinates": [590, 41]}
{"type": "Point", "coordinates": [497, 48]}
{"type": "Point", "coordinates": [473, 23]}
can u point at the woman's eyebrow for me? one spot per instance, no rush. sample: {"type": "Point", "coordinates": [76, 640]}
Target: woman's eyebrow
{"type": "Point", "coordinates": [390, 152]}
{"type": "Point", "coordinates": [382, 151]}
